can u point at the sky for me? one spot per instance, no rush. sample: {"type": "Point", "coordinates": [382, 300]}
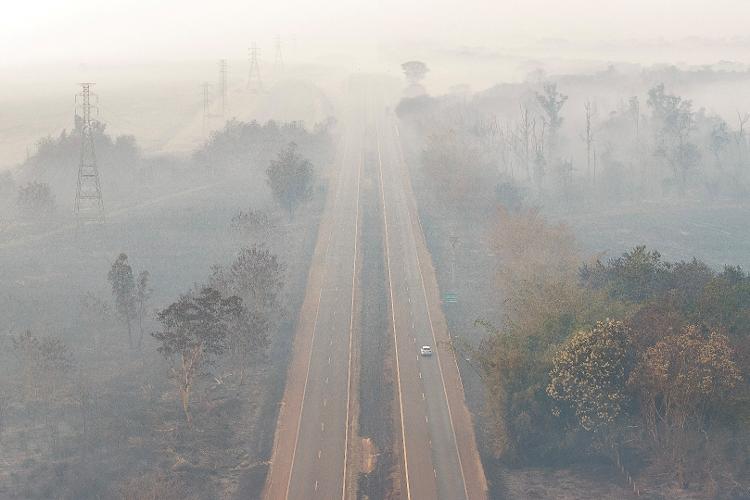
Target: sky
{"type": "Point", "coordinates": [114, 31]}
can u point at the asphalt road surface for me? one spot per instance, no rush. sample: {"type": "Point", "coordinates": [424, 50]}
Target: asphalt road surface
{"type": "Point", "coordinates": [313, 452]}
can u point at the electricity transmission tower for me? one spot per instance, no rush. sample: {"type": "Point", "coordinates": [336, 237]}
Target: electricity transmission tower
{"type": "Point", "coordinates": [254, 82]}
{"type": "Point", "coordinates": [89, 204]}
{"type": "Point", "coordinates": [223, 85]}
{"type": "Point", "coordinates": [278, 66]}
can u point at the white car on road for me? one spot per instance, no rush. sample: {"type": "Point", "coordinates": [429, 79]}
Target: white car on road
{"type": "Point", "coordinates": [425, 350]}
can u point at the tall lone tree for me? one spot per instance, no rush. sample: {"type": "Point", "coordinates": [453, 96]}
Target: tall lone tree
{"type": "Point", "coordinates": [415, 71]}
{"type": "Point", "coordinates": [124, 292]}
{"type": "Point", "coordinates": [195, 331]}
{"type": "Point", "coordinates": [551, 101]}
{"type": "Point", "coordinates": [290, 177]}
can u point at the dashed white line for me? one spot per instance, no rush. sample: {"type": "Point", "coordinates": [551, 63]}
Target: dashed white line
{"type": "Point", "coordinates": [393, 315]}
{"type": "Point", "coordinates": [304, 393]}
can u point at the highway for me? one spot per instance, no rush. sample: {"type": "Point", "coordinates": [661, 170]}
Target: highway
{"type": "Point", "coordinates": [314, 452]}
{"type": "Point", "coordinates": [313, 431]}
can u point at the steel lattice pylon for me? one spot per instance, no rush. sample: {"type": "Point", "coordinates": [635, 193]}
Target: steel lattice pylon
{"type": "Point", "coordinates": [254, 82]}
{"type": "Point", "coordinates": [89, 204]}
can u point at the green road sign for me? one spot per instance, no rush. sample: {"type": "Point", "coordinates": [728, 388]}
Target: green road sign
{"type": "Point", "coordinates": [450, 298]}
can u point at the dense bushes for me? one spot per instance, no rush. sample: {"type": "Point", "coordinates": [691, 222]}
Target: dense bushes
{"type": "Point", "coordinates": [666, 377]}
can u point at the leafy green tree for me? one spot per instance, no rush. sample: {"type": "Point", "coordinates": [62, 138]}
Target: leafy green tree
{"type": "Point", "coordinates": [124, 292]}
{"type": "Point", "coordinates": [195, 331]}
{"type": "Point", "coordinates": [290, 178]}
{"type": "Point", "coordinates": [590, 373]}
{"type": "Point", "coordinates": [635, 276]}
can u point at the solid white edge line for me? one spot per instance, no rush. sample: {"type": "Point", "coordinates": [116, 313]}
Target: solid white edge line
{"type": "Point", "coordinates": [437, 351]}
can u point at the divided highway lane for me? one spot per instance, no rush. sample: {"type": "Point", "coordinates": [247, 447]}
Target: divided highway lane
{"type": "Point", "coordinates": [313, 432]}
{"type": "Point", "coordinates": [433, 454]}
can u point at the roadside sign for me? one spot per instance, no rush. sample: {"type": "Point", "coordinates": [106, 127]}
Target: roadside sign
{"type": "Point", "coordinates": [450, 298]}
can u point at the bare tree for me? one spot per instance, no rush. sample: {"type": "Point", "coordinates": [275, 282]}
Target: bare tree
{"type": "Point", "coordinates": [588, 137]}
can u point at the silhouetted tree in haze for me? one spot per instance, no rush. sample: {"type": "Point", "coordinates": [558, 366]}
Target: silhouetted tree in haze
{"type": "Point", "coordinates": [290, 178]}
{"type": "Point", "coordinates": [195, 331]}
{"type": "Point", "coordinates": [123, 290]}
{"type": "Point", "coordinates": [35, 200]}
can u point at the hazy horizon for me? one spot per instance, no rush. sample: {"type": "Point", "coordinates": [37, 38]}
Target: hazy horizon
{"type": "Point", "coordinates": [85, 32]}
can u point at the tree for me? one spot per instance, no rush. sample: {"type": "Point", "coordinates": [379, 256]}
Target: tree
{"type": "Point", "coordinates": [143, 294]}
{"type": "Point", "coordinates": [123, 290]}
{"type": "Point", "coordinates": [257, 277]}
{"type": "Point", "coordinates": [588, 138]}
{"type": "Point", "coordinates": [415, 71]}
{"type": "Point", "coordinates": [675, 120]}
{"type": "Point", "coordinates": [46, 362]}
{"type": "Point", "coordinates": [718, 141]}
{"type": "Point", "coordinates": [252, 222]}
{"type": "Point", "coordinates": [684, 382]}
{"type": "Point", "coordinates": [35, 200]}
{"type": "Point", "coordinates": [552, 102]}
{"type": "Point", "coordinates": [195, 331]}
{"type": "Point", "coordinates": [290, 178]}
{"type": "Point", "coordinates": [590, 373]}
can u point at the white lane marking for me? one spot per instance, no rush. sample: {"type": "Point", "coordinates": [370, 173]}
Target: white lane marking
{"type": "Point", "coordinates": [393, 314]}
{"type": "Point", "coordinates": [423, 396]}
{"type": "Point", "coordinates": [326, 380]}
{"type": "Point", "coordinates": [432, 329]}
{"type": "Point", "coordinates": [420, 374]}
{"type": "Point", "coordinates": [351, 330]}
{"type": "Point", "coordinates": [325, 402]}
{"type": "Point", "coordinates": [427, 420]}
{"type": "Point", "coordinates": [339, 181]}
{"type": "Point", "coordinates": [434, 473]}
{"type": "Point", "coordinates": [319, 453]}
{"type": "Point", "coordinates": [304, 393]}
{"type": "Point", "coordinates": [329, 360]}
